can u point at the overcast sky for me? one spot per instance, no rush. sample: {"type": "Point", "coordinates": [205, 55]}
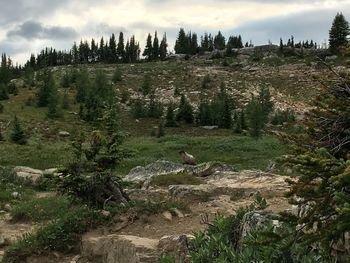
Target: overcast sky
{"type": "Point", "coordinates": [27, 26]}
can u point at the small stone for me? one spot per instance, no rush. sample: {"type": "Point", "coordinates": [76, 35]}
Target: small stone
{"type": "Point", "coordinates": [178, 213]}
{"type": "Point", "coordinates": [64, 134]}
{"type": "Point", "coordinates": [167, 215]}
{"type": "Point", "coordinates": [15, 195]}
{"type": "Point", "coordinates": [8, 208]}
{"type": "Point", "coordinates": [105, 213]}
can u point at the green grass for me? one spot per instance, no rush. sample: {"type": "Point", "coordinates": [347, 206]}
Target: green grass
{"type": "Point", "coordinates": [41, 209]}
{"type": "Point", "coordinates": [175, 179]}
{"type": "Point", "coordinates": [241, 151]}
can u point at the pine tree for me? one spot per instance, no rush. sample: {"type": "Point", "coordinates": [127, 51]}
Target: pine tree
{"type": "Point", "coordinates": [237, 123]}
{"type": "Point", "coordinates": [170, 116]}
{"type": "Point", "coordinates": [148, 51]}
{"type": "Point", "coordinates": [45, 89]}
{"type": "Point", "coordinates": [219, 41]}
{"type": "Point", "coordinates": [117, 75]}
{"type": "Point", "coordinates": [17, 135]}
{"type": "Point", "coordinates": [3, 92]}
{"type": "Point", "coordinates": [113, 49]}
{"type": "Point", "coordinates": [65, 101]}
{"type": "Point", "coordinates": [256, 118]}
{"type": "Point", "coordinates": [161, 132]}
{"type": "Point", "coordinates": [181, 44]}
{"type": "Point", "coordinates": [155, 50]}
{"type": "Point", "coordinates": [163, 48]}
{"type": "Point", "coordinates": [339, 32]}
{"type": "Point", "coordinates": [194, 44]}
{"type": "Point", "coordinates": [121, 47]}
{"type": "Point", "coordinates": [138, 109]}
{"type": "Point", "coordinates": [146, 85]}
{"type": "Point", "coordinates": [53, 103]}
{"type": "Point", "coordinates": [111, 118]}
{"type": "Point", "coordinates": [82, 86]}
{"type": "Point", "coordinates": [185, 112]}
{"type": "Point", "coordinates": [155, 108]}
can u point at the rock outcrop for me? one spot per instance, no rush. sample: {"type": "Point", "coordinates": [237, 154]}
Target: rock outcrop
{"type": "Point", "coordinates": [144, 173]}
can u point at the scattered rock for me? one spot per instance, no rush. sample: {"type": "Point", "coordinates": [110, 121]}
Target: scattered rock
{"type": "Point", "coordinates": [105, 213]}
{"type": "Point", "coordinates": [51, 171]}
{"type": "Point", "coordinates": [210, 127]}
{"type": "Point", "coordinates": [2, 241]}
{"type": "Point", "coordinates": [28, 173]}
{"type": "Point", "coordinates": [167, 215]}
{"type": "Point", "coordinates": [64, 134]}
{"type": "Point", "coordinates": [119, 249]}
{"type": "Point", "coordinates": [8, 208]}
{"type": "Point", "coordinates": [144, 173]}
{"type": "Point", "coordinates": [16, 195]}
{"type": "Point", "coordinates": [178, 213]}
{"type": "Point", "coordinates": [176, 246]}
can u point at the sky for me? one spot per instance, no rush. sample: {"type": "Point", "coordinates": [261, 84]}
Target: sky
{"type": "Point", "coordinates": [27, 26]}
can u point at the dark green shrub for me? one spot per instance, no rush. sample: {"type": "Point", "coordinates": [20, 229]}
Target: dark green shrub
{"type": "Point", "coordinates": [281, 117]}
{"type": "Point", "coordinates": [17, 135]}
{"type": "Point", "coordinates": [206, 81]}
{"type": "Point", "coordinates": [117, 75]}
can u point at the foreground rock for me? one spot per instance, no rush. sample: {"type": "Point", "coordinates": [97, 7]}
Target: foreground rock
{"type": "Point", "coordinates": [28, 173]}
{"type": "Point", "coordinates": [144, 173]}
{"type": "Point", "coordinates": [132, 249]}
{"type": "Point", "coordinates": [244, 184]}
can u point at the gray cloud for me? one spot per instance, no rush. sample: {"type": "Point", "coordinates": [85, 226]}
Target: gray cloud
{"type": "Point", "coordinates": [35, 30]}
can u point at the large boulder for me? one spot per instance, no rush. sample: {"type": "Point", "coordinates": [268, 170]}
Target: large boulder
{"type": "Point", "coordinates": [160, 167]}
{"type": "Point", "coordinates": [176, 246]}
{"type": "Point", "coordinates": [28, 173]}
{"type": "Point", "coordinates": [119, 249]}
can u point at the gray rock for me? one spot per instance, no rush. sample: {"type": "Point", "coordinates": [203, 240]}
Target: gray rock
{"type": "Point", "coordinates": [119, 249]}
{"type": "Point", "coordinates": [16, 195]}
{"type": "Point", "coordinates": [210, 127]}
{"type": "Point", "coordinates": [28, 173]}
{"type": "Point", "coordinates": [176, 246]}
{"type": "Point", "coordinates": [145, 173]}
{"type": "Point", "coordinates": [167, 215]}
{"type": "Point", "coordinates": [7, 207]}
{"type": "Point", "coordinates": [64, 134]}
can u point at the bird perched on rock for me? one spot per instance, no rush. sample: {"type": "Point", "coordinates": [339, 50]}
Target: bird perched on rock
{"type": "Point", "coordinates": [187, 158]}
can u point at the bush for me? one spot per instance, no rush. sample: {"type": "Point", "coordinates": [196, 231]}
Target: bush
{"type": "Point", "coordinates": [281, 117]}
{"type": "Point", "coordinates": [117, 75]}
{"type": "Point", "coordinates": [41, 209]}
{"type": "Point", "coordinates": [138, 109]}
{"type": "Point", "coordinates": [18, 136]}
{"type": "Point", "coordinates": [206, 82]}
{"type": "Point", "coordinates": [62, 235]}
{"type": "Point", "coordinates": [3, 92]}
{"type": "Point", "coordinates": [1, 108]}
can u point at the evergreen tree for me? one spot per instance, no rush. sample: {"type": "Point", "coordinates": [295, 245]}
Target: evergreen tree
{"type": "Point", "coordinates": [113, 49]}
{"type": "Point", "coordinates": [163, 48]}
{"type": "Point", "coordinates": [65, 101]}
{"type": "Point", "coordinates": [181, 44]}
{"type": "Point", "coordinates": [219, 41]}
{"type": "Point", "coordinates": [121, 47]}
{"type": "Point", "coordinates": [194, 44]}
{"type": "Point", "coordinates": [65, 80]}
{"type": "Point", "coordinates": [148, 51]}
{"type": "Point", "coordinates": [170, 116]}
{"type": "Point", "coordinates": [3, 92]}
{"type": "Point", "coordinates": [45, 89]}
{"type": "Point", "coordinates": [111, 118]}
{"type": "Point", "coordinates": [146, 85]}
{"type": "Point", "coordinates": [205, 115]}
{"type": "Point", "coordinates": [117, 75]}
{"type": "Point", "coordinates": [53, 103]}
{"type": "Point", "coordinates": [185, 112]}
{"type": "Point", "coordinates": [17, 135]}
{"type": "Point", "coordinates": [161, 132]}
{"type": "Point", "coordinates": [339, 32]}
{"type": "Point", "coordinates": [243, 120]}
{"type": "Point", "coordinates": [155, 50]}
{"type": "Point", "coordinates": [256, 118]}
{"type": "Point", "coordinates": [138, 109]}
{"type": "Point", "coordinates": [237, 124]}
{"type": "Point", "coordinates": [155, 108]}
{"type": "Point", "coordinates": [82, 86]}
